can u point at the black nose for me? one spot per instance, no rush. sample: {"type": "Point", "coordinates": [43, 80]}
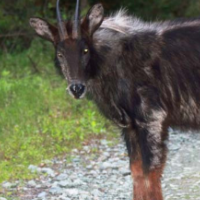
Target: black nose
{"type": "Point", "coordinates": [77, 90]}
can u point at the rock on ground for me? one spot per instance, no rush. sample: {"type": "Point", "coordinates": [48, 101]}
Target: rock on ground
{"type": "Point", "coordinates": [101, 172]}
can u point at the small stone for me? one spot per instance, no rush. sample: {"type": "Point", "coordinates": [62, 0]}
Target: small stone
{"type": "Point", "coordinates": [64, 183]}
{"type": "Point", "coordinates": [63, 197]}
{"type": "Point", "coordinates": [9, 185]}
{"type": "Point", "coordinates": [42, 164]}
{"type": "Point", "coordinates": [33, 168]}
{"type": "Point", "coordinates": [89, 167]}
{"type": "Point", "coordinates": [92, 172]}
{"type": "Point", "coordinates": [25, 189]}
{"type": "Point", "coordinates": [38, 186]}
{"type": "Point", "coordinates": [106, 154]}
{"type": "Point", "coordinates": [76, 160]}
{"type": "Point", "coordinates": [72, 192]}
{"type": "Point", "coordinates": [56, 190]}
{"type": "Point", "coordinates": [124, 171]}
{"type": "Point", "coordinates": [48, 171]}
{"type": "Point", "coordinates": [62, 177]}
{"type": "Point", "coordinates": [104, 142]}
{"type": "Point", "coordinates": [105, 165]}
{"type": "Point", "coordinates": [96, 193]}
{"type": "Point", "coordinates": [32, 183]}
{"type": "Point", "coordinates": [42, 195]}
{"type": "Point", "coordinates": [75, 150]}
{"type": "Point", "coordinates": [55, 184]}
{"type": "Point", "coordinates": [83, 195]}
{"type": "Point", "coordinates": [86, 148]}
{"type": "Point", "coordinates": [78, 182]}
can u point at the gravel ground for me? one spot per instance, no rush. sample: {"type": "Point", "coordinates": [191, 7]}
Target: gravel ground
{"type": "Point", "coordinates": [100, 171]}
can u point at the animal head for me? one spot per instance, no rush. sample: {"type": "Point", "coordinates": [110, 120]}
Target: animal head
{"type": "Point", "coordinates": [73, 42]}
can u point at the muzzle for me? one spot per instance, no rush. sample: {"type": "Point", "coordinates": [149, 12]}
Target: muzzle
{"type": "Point", "coordinates": [77, 90]}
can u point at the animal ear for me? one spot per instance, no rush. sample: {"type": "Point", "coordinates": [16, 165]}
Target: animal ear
{"type": "Point", "coordinates": [44, 29]}
{"type": "Point", "coordinates": [94, 18]}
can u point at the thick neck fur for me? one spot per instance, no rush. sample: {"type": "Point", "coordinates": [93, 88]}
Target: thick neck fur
{"type": "Point", "coordinates": [133, 54]}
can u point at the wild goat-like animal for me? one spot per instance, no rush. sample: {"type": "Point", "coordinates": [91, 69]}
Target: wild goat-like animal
{"type": "Point", "coordinates": [143, 76]}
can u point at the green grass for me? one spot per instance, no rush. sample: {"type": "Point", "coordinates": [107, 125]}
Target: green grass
{"type": "Point", "coordinates": [38, 120]}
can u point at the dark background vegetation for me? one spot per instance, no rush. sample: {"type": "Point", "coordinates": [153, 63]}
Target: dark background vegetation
{"type": "Point", "coordinates": [16, 35]}
{"type": "Point", "coordinates": [38, 121]}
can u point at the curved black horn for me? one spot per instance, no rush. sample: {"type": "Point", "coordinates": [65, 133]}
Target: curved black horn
{"type": "Point", "coordinates": [76, 27]}
{"type": "Point", "coordinates": [61, 27]}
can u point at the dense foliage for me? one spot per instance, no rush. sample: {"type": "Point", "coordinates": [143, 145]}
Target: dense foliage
{"type": "Point", "coordinates": [16, 35]}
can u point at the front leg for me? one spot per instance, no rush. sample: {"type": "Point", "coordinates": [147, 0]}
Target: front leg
{"type": "Point", "coordinates": [147, 185]}
{"type": "Point", "coordinates": [147, 152]}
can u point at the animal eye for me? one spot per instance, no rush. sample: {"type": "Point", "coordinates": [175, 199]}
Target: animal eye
{"type": "Point", "coordinates": [85, 51]}
{"type": "Point", "coordinates": [59, 55]}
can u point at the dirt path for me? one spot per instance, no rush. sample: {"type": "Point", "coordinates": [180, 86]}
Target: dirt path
{"type": "Point", "coordinates": [100, 172]}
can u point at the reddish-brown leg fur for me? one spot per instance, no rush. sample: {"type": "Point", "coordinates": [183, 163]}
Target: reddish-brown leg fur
{"type": "Point", "coordinates": [146, 186]}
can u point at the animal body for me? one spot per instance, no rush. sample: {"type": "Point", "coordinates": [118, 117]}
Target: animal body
{"type": "Point", "coordinates": [143, 76]}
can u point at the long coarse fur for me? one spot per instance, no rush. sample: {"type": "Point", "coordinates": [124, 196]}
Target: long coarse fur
{"type": "Point", "coordinates": [148, 78]}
